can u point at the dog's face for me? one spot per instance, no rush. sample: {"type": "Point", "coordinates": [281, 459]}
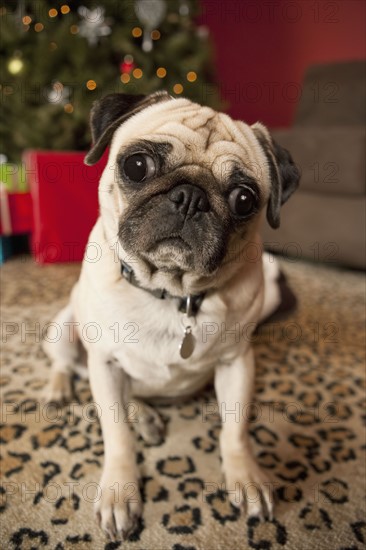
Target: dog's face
{"type": "Point", "coordinates": [183, 182]}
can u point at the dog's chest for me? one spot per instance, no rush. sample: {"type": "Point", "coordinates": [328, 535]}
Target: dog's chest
{"type": "Point", "coordinates": [144, 338]}
{"type": "Point", "coordinates": [143, 334]}
{"type": "Point", "coordinates": [153, 353]}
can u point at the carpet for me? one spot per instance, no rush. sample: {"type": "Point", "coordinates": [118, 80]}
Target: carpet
{"type": "Point", "coordinates": [307, 430]}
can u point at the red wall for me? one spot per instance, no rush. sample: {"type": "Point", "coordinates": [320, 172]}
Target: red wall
{"type": "Point", "coordinates": [263, 47]}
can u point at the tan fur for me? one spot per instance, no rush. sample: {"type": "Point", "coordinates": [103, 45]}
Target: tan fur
{"type": "Point", "coordinates": [148, 364]}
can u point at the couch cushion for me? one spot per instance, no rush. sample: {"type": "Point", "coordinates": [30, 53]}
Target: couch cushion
{"type": "Point", "coordinates": [331, 159]}
{"type": "Point", "coordinates": [333, 94]}
{"type": "Point", "coordinates": [325, 228]}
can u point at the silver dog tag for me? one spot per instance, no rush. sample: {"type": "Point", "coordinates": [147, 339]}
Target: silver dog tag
{"type": "Point", "coordinates": [187, 345]}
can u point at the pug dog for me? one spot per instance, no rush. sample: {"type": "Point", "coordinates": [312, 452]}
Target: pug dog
{"type": "Point", "coordinates": [158, 309]}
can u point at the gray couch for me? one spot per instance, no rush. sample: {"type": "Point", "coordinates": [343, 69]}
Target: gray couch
{"type": "Point", "coordinates": [325, 219]}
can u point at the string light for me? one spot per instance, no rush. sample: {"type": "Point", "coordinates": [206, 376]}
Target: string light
{"type": "Point", "coordinates": [53, 46]}
{"type": "Point", "coordinates": [15, 65]}
{"type": "Point", "coordinates": [91, 84]}
{"type": "Point", "coordinates": [125, 78]}
{"type": "Point", "coordinates": [155, 35]}
{"type": "Point", "coordinates": [68, 108]}
{"type": "Point", "coordinates": [191, 76]}
{"type": "Point", "coordinates": [38, 27]}
{"type": "Point", "coordinates": [136, 32]}
{"type": "Point", "coordinates": [65, 9]}
{"type": "Point", "coordinates": [53, 12]}
{"type": "Point", "coordinates": [161, 72]}
{"type": "Point", "coordinates": [177, 88]}
{"type": "Point", "coordinates": [137, 73]}
{"type": "Point", "coordinates": [27, 20]}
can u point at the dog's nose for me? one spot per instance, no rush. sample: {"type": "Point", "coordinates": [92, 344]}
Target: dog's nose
{"type": "Point", "coordinates": [189, 199]}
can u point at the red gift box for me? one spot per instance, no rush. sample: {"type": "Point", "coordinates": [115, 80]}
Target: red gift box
{"type": "Point", "coordinates": [16, 212]}
{"type": "Point", "coordinates": [65, 203]}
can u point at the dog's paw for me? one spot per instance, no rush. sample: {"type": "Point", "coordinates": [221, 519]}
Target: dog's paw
{"type": "Point", "coordinates": [59, 391]}
{"type": "Point", "coordinates": [149, 424]}
{"type": "Point", "coordinates": [119, 507]}
{"type": "Point", "coordinates": [247, 486]}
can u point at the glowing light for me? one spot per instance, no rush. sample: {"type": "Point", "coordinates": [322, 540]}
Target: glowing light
{"type": "Point", "coordinates": [68, 108]}
{"type": "Point", "coordinates": [53, 46]}
{"type": "Point", "coordinates": [65, 9]}
{"type": "Point", "coordinates": [52, 12]}
{"type": "Point", "coordinates": [15, 65]}
{"type": "Point", "coordinates": [177, 88]}
{"type": "Point", "coordinates": [125, 78]}
{"type": "Point", "coordinates": [74, 29]}
{"type": "Point", "coordinates": [136, 32]}
{"type": "Point", "coordinates": [38, 27]}
{"type": "Point", "coordinates": [155, 35]}
{"type": "Point", "coordinates": [91, 84]}
{"type": "Point", "coordinates": [128, 58]}
{"type": "Point", "coordinates": [161, 72]}
{"type": "Point", "coordinates": [191, 76]}
{"type": "Point", "coordinates": [27, 20]}
{"type": "Point", "coordinates": [137, 73]}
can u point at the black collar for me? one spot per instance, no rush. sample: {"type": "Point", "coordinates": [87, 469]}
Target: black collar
{"type": "Point", "coordinates": [188, 304]}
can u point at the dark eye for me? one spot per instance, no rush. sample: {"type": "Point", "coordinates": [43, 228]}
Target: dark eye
{"type": "Point", "coordinates": [242, 201]}
{"type": "Point", "coordinates": [139, 167]}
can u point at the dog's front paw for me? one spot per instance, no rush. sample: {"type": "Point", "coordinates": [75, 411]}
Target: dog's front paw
{"type": "Point", "coordinates": [120, 505]}
{"type": "Point", "coordinates": [59, 390]}
{"type": "Point", "coordinates": [149, 424]}
{"type": "Point", "coordinates": [247, 486]}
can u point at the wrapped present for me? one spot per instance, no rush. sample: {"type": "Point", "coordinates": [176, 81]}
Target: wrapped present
{"type": "Point", "coordinates": [65, 203]}
{"type": "Point", "coordinates": [15, 211]}
{"type": "Point", "coordinates": [15, 200]}
{"type": "Point", "coordinates": [13, 177]}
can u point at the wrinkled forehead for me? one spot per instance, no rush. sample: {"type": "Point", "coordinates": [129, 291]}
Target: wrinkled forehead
{"type": "Point", "coordinates": [198, 135]}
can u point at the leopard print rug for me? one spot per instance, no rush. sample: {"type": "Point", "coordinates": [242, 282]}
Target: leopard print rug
{"type": "Point", "coordinates": [306, 430]}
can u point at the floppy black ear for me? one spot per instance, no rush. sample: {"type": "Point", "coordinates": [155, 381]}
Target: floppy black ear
{"type": "Point", "coordinates": [110, 112]}
{"type": "Point", "coordinates": [285, 176]}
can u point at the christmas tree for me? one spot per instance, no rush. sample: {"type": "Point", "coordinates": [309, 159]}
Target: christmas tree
{"type": "Point", "coordinates": [59, 57]}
